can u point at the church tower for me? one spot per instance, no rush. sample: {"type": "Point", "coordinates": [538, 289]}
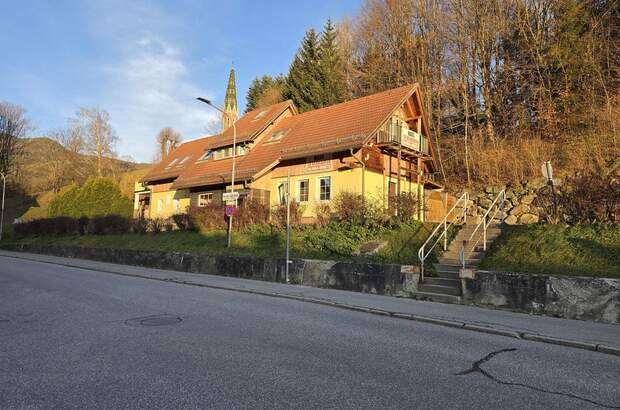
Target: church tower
{"type": "Point", "coordinates": [230, 102]}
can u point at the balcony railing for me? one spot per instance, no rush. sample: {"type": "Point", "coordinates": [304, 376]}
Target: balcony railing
{"type": "Point", "coordinates": [406, 138]}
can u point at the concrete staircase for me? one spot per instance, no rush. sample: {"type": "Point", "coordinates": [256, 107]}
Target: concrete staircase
{"type": "Point", "coordinates": [446, 285]}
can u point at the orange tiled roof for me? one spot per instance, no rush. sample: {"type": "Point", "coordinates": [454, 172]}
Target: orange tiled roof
{"type": "Point", "coordinates": [331, 129]}
{"type": "Point", "coordinates": [248, 127]}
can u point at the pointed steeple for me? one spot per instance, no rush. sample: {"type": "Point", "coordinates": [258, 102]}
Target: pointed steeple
{"type": "Point", "coordinates": [230, 102]}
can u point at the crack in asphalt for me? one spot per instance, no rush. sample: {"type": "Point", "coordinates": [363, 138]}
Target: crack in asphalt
{"type": "Point", "coordinates": [476, 368]}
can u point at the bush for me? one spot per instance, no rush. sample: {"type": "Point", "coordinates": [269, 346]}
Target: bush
{"type": "Point", "coordinates": [279, 214]}
{"type": "Point", "coordinates": [208, 218]}
{"type": "Point", "coordinates": [404, 206]}
{"type": "Point", "coordinates": [139, 225]}
{"type": "Point", "coordinates": [253, 212]}
{"type": "Point", "coordinates": [156, 225]}
{"type": "Point", "coordinates": [323, 215]}
{"type": "Point", "coordinates": [183, 222]}
{"type": "Point", "coordinates": [98, 196]}
{"type": "Point", "coordinates": [109, 224]}
{"type": "Point", "coordinates": [587, 198]}
{"type": "Point", "coordinates": [354, 209]}
{"type": "Point", "coordinates": [338, 239]}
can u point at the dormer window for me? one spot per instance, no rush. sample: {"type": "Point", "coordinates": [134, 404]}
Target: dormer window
{"type": "Point", "coordinates": [183, 161]}
{"type": "Point", "coordinates": [171, 164]}
{"type": "Point", "coordinates": [277, 136]}
{"type": "Point", "coordinates": [208, 154]}
{"type": "Point", "coordinates": [259, 115]}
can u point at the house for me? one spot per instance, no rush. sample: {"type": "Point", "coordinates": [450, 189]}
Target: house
{"type": "Point", "coordinates": [379, 146]}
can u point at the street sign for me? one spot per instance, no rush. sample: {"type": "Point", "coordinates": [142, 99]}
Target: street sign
{"type": "Point", "coordinates": [547, 170]}
{"type": "Point", "coordinates": [230, 210]}
{"type": "Point", "coordinates": [230, 196]}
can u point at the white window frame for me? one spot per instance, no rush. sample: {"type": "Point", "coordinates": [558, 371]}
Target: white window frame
{"type": "Point", "coordinates": [207, 197]}
{"type": "Point", "coordinates": [176, 204]}
{"type": "Point", "coordinates": [208, 154]}
{"type": "Point", "coordinates": [160, 205]}
{"type": "Point", "coordinates": [282, 194]}
{"type": "Point", "coordinates": [318, 188]}
{"type": "Point", "coordinates": [307, 181]}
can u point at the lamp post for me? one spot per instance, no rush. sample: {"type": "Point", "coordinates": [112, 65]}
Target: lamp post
{"type": "Point", "coordinates": [234, 147]}
{"type": "Point", "coordinates": [2, 213]}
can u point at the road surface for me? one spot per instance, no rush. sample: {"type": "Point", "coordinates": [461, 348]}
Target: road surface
{"type": "Point", "coordinates": [77, 338]}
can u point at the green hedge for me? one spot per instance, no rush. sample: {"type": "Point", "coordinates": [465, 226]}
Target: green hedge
{"type": "Point", "coordinates": [96, 197]}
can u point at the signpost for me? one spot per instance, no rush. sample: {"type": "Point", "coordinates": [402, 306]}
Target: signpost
{"type": "Point", "coordinates": [547, 171]}
{"type": "Point", "coordinates": [230, 197]}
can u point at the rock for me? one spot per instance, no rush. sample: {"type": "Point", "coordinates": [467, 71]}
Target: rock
{"type": "Point", "coordinates": [485, 202]}
{"type": "Point", "coordinates": [370, 248]}
{"type": "Point", "coordinates": [528, 199]}
{"type": "Point", "coordinates": [510, 194]}
{"type": "Point", "coordinates": [511, 220]}
{"type": "Point", "coordinates": [519, 210]}
{"type": "Point", "coordinates": [508, 206]}
{"type": "Point", "coordinates": [527, 219]}
{"type": "Point", "coordinates": [492, 190]}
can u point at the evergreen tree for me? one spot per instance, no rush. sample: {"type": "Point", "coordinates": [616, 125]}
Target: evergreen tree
{"type": "Point", "coordinates": [331, 66]}
{"type": "Point", "coordinates": [97, 197]}
{"type": "Point", "coordinates": [303, 84]}
{"type": "Point", "coordinates": [265, 91]}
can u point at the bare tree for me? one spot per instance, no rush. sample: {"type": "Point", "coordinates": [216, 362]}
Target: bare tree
{"type": "Point", "coordinates": [13, 126]}
{"type": "Point", "coordinates": [94, 128]}
{"type": "Point", "coordinates": [167, 140]}
{"type": "Point", "coordinates": [71, 138]}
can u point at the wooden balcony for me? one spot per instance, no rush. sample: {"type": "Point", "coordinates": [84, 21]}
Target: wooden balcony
{"type": "Point", "coordinates": [404, 139]}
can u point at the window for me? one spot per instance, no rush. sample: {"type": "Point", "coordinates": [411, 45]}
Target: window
{"type": "Point", "coordinates": [277, 136]}
{"type": "Point", "coordinates": [282, 190]}
{"type": "Point", "coordinates": [160, 204]}
{"type": "Point", "coordinates": [242, 149]}
{"type": "Point", "coordinates": [325, 188]}
{"type": "Point", "coordinates": [259, 115]}
{"type": "Point", "coordinates": [183, 161]}
{"type": "Point", "coordinates": [207, 155]}
{"type": "Point", "coordinates": [205, 199]}
{"type": "Point", "coordinates": [303, 190]}
{"type": "Point", "coordinates": [175, 205]}
{"type": "Point", "coordinates": [174, 161]}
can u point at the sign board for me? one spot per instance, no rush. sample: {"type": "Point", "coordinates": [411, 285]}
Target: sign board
{"type": "Point", "coordinates": [230, 196]}
{"type": "Point", "coordinates": [547, 170]}
{"type": "Point", "coordinates": [230, 210]}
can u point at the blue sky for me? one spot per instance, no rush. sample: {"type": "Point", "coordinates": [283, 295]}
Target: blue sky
{"type": "Point", "coordinates": [146, 61]}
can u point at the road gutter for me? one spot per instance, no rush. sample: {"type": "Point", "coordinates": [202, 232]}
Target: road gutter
{"type": "Point", "coordinates": [600, 348]}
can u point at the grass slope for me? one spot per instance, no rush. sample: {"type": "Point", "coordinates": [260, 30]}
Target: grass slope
{"type": "Point", "coordinates": [592, 250]}
{"type": "Point", "coordinates": [334, 242]}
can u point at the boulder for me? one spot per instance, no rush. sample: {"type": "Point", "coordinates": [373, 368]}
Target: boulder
{"type": "Point", "coordinates": [528, 199]}
{"type": "Point", "coordinates": [519, 210]}
{"type": "Point", "coordinates": [485, 202]}
{"type": "Point", "coordinates": [511, 220]}
{"type": "Point", "coordinates": [527, 219]}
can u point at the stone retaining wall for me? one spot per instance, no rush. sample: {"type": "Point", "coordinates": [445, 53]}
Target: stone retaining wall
{"type": "Point", "coordinates": [382, 279]}
{"type": "Point", "coordinates": [568, 297]}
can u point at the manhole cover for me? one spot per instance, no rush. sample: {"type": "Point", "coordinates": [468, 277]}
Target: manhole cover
{"type": "Point", "coordinates": [154, 320]}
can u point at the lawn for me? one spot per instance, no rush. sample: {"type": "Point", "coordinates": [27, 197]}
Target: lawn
{"type": "Point", "coordinates": [335, 241]}
{"type": "Point", "coordinates": [592, 250]}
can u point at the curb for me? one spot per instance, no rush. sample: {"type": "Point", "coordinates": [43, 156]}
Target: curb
{"type": "Point", "coordinates": [600, 348]}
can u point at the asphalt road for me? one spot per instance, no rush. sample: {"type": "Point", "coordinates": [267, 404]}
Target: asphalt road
{"type": "Point", "coordinates": [75, 338]}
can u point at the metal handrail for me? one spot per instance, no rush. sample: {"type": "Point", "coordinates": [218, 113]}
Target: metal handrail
{"type": "Point", "coordinates": [484, 223]}
{"type": "Point", "coordinates": [423, 252]}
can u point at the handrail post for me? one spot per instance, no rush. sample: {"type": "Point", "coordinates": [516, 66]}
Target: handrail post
{"type": "Point", "coordinates": [445, 234]}
{"type": "Point", "coordinates": [484, 234]}
{"type": "Point", "coordinates": [465, 207]}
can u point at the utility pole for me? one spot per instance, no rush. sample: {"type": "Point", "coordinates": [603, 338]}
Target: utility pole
{"type": "Point", "coordinates": [288, 223]}
{"type": "Point", "coordinates": [2, 213]}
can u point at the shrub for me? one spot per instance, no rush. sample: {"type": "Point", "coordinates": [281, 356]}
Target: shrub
{"type": "Point", "coordinates": [183, 222]}
{"type": "Point", "coordinates": [108, 224]}
{"type": "Point", "coordinates": [323, 214]}
{"type": "Point", "coordinates": [156, 225]}
{"type": "Point", "coordinates": [279, 214]}
{"type": "Point", "coordinates": [351, 208]}
{"type": "Point", "coordinates": [253, 212]}
{"type": "Point", "coordinates": [98, 196]}
{"type": "Point", "coordinates": [139, 225]}
{"type": "Point", "coordinates": [337, 238]}
{"type": "Point", "coordinates": [404, 206]}
{"type": "Point", "coordinates": [208, 218]}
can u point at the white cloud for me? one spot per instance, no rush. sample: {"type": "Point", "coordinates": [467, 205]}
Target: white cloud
{"type": "Point", "coordinates": [149, 89]}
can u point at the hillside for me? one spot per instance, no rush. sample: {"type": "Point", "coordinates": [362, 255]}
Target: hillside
{"type": "Point", "coordinates": [47, 167]}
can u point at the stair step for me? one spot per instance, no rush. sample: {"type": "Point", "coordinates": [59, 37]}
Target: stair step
{"type": "Point", "coordinates": [451, 267]}
{"type": "Point", "coordinates": [455, 261]}
{"type": "Point", "coordinates": [437, 297]}
{"type": "Point", "coordinates": [440, 289]}
{"type": "Point", "coordinates": [454, 282]}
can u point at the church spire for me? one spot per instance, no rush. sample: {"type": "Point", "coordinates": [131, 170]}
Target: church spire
{"type": "Point", "coordinates": [230, 102]}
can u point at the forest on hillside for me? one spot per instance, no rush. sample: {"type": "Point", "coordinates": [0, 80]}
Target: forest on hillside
{"type": "Point", "coordinates": [507, 84]}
